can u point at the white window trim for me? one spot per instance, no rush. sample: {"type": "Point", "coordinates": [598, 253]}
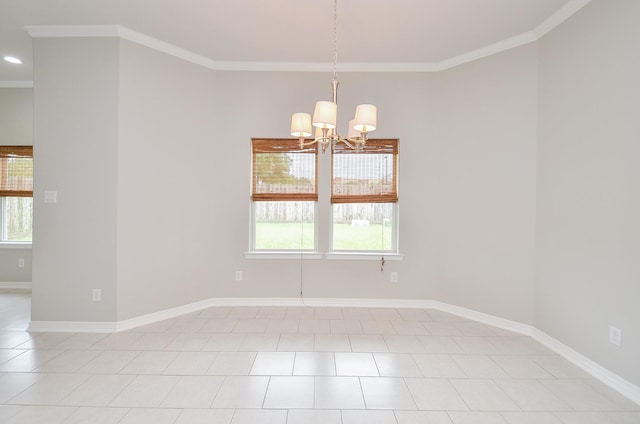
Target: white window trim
{"type": "Point", "coordinates": [364, 256]}
{"type": "Point", "coordinates": [269, 254]}
{"type": "Point", "coordinates": [16, 245]}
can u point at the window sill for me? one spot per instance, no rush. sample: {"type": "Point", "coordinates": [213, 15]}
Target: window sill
{"type": "Point", "coordinates": [364, 256]}
{"type": "Point", "coordinates": [283, 255]}
{"type": "Point", "coordinates": [15, 245]}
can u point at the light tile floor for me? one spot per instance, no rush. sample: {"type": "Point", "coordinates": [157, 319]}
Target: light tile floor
{"type": "Point", "coordinates": [285, 365]}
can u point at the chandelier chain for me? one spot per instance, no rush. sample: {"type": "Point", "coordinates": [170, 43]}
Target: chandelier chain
{"type": "Point", "coordinates": [335, 38]}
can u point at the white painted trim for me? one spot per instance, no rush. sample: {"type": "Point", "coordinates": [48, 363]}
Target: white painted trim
{"type": "Point", "coordinates": [609, 378]}
{"type": "Point", "coordinates": [164, 47]}
{"type": "Point", "coordinates": [364, 256]}
{"type": "Point", "coordinates": [72, 31]}
{"type": "Point", "coordinates": [283, 255]}
{"type": "Point", "coordinates": [368, 303]}
{"type": "Point", "coordinates": [71, 327]}
{"type": "Point", "coordinates": [46, 31]}
{"type": "Point", "coordinates": [488, 319]}
{"type": "Point", "coordinates": [560, 16]}
{"type": "Point", "coordinates": [162, 315]}
{"type": "Point", "coordinates": [490, 50]}
{"type": "Point", "coordinates": [328, 66]}
{"type": "Point", "coordinates": [15, 285]}
{"type": "Point", "coordinates": [15, 245]}
{"type": "Point", "coordinates": [16, 84]}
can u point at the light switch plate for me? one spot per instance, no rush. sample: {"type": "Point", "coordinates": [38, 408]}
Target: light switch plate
{"type": "Point", "coordinates": [50, 196]}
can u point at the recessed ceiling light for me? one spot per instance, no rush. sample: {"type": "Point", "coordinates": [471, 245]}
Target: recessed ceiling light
{"type": "Point", "coordinates": [12, 59]}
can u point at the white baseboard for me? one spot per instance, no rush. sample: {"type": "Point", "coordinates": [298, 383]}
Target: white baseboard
{"type": "Point", "coordinates": [283, 301]}
{"type": "Point", "coordinates": [128, 324]}
{"type": "Point", "coordinates": [609, 378]}
{"type": "Point", "coordinates": [505, 324]}
{"type": "Point", "coordinates": [15, 285]}
{"type": "Point", "coordinates": [71, 327]}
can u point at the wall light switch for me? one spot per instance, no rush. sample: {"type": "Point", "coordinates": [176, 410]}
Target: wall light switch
{"type": "Point", "coordinates": [50, 196]}
{"type": "Point", "coordinates": [394, 277]}
{"type": "Point", "coordinates": [21, 263]}
{"type": "Point", "coordinates": [238, 275]}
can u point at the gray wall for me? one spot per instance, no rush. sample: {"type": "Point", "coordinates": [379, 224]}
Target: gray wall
{"type": "Point", "coordinates": [16, 116]}
{"type": "Point", "coordinates": [11, 274]}
{"type": "Point", "coordinates": [587, 253]}
{"type": "Point", "coordinates": [166, 182]}
{"type": "Point", "coordinates": [75, 154]}
{"type": "Point", "coordinates": [487, 117]}
{"type": "Point", "coordinates": [16, 128]}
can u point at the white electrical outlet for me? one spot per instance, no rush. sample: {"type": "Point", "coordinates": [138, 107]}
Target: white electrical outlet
{"type": "Point", "coordinates": [615, 336]}
{"type": "Point", "coordinates": [394, 277]}
{"type": "Point", "coordinates": [238, 275]}
{"type": "Point", "coordinates": [21, 263]}
{"type": "Point", "coordinates": [97, 295]}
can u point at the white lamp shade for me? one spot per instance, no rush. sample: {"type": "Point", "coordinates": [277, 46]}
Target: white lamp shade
{"type": "Point", "coordinates": [366, 118]}
{"type": "Point", "coordinates": [301, 125]}
{"type": "Point", "coordinates": [325, 115]}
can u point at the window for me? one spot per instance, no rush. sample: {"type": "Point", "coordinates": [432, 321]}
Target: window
{"type": "Point", "coordinates": [16, 193]}
{"type": "Point", "coordinates": [284, 194]}
{"type": "Point", "coordinates": [364, 196]}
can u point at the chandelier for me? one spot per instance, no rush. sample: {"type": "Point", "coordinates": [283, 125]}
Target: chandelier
{"type": "Point", "coordinates": [325, 114]}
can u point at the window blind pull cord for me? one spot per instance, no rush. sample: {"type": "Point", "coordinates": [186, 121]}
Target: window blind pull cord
{"type": "Point", "coordinates": [382, 264]}
{"type": "Point", "coordinates": [301, 257]}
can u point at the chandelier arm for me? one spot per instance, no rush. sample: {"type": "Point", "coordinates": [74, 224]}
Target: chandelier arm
{"type": "Point", "coordinates": [346, 141]}
{"type": "Point", "coordinates": [304, 142]}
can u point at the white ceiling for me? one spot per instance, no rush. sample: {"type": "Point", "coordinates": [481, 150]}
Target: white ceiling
{"type": "Point", "coordinates": [384, 32]}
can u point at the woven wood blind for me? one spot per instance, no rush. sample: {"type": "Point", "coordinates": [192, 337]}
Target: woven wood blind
{"type": "Point", "coordinates": [366, 176]}
{"type": "Point", "coordinates": [16, 171]}
{"type": "Point", "coordinates": [281, 170]}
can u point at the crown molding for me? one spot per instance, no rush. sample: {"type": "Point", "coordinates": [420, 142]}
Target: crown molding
{"type": "Point", "coordinates": [47, 31]}
{"type": "Point", "coordinates": [490, 50]}
{"type": "Point", "coordinates": [560, 16]}
{"type": "Point", "coordinates": [327, 66]}
{"type": "Point", "coordinates": [72, 31]}
{"type": "Point", "coordinates": [16, 84]}
{"type": "Point", "coordinates": [164, 47]}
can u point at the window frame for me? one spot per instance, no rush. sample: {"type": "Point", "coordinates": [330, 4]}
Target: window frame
{"type": "Point", "coordinates": [281, 145]}
{"type": "Point", "coordinates": [8, 190]}
{"type": "Point", "coordinates": [383, 146]}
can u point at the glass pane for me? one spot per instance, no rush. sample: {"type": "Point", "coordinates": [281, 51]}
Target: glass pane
{"type": "Point", "coordinates": [284, 225]}
{"type": "Point", "coordinates": [363, 226]}
{"type": "Point", "coordinates": [17, 218]}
